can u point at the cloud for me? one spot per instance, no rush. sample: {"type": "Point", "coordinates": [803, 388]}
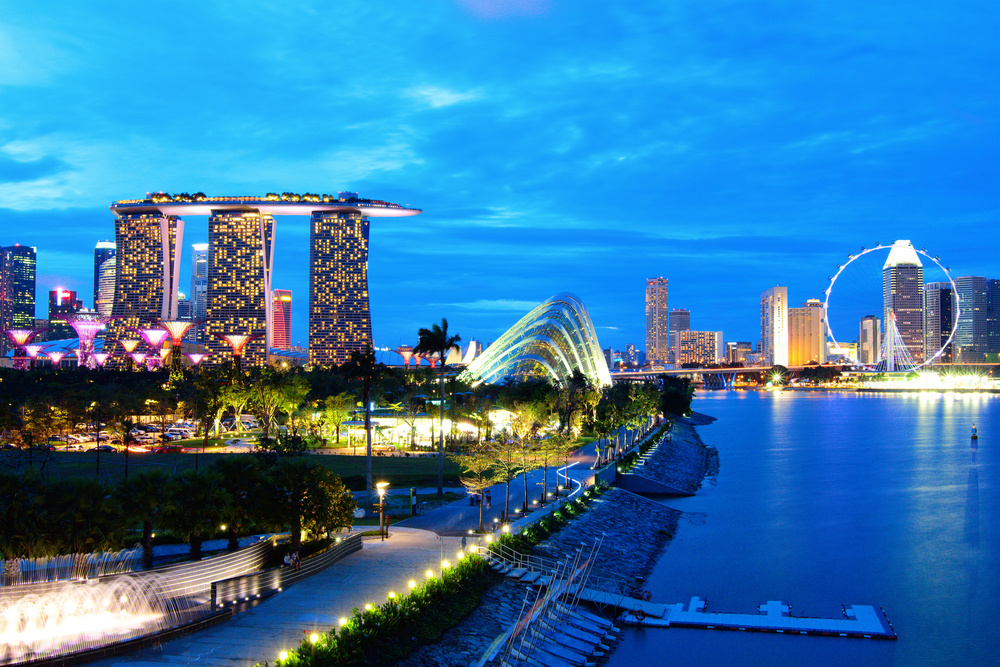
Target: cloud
{"type": "Point", "coordinates": [437, 97]}
{"type": "Point", "coordinates": [493, 305]}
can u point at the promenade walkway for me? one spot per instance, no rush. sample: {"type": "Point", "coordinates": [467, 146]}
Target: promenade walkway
{"type": "Point", "coordinates": [313, 605]}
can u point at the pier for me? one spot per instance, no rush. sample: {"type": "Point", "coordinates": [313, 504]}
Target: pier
{"type": "Point", "coordinates": [862, 621]}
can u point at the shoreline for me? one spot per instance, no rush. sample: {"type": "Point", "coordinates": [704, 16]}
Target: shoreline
{"type": "Point", "coordinates": [630, 548]}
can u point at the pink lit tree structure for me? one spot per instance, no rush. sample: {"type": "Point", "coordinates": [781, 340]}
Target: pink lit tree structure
{"type": "Point", "coordinates": [138, 358]}
{"type": "Point", "coordinates": [56, 357]}
{"type": "Point", "coordinates": [177, 329]}
{"type": "Point", "coordinates": [406, 352]}
{"type": "Point", "coordinates": [100, 357]}
{"type": "Point", "coordinates": [129, 345]}
{"type": "Point", "coordinates": [237, 342]}
{"type": "Point", "coordinates": [86, 328]}
{"type": "Point", "coordinates": [20, 338]}
{"type": "Point", "coordinates": [33, 351]}
{"type": "Point", "coordinates": [196, 358]}
{"type": "Point", "coordinates": [154, 338]}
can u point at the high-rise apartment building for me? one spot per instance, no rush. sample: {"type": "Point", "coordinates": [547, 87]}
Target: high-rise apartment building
{"type": "Point", "coordinates": [657, 320]}
{"type": "Point", "coordinates": [939, 313]}
{"type": "Point", "coordinates": [103, 251]}
{"type": "Point", "coordinates": [339, 314]}
{"type": "Point", "coordinates": [902, 297]}
{"type": "Point", "coordinates": [970, 337]}
{"type": "Point", "coordinates": [239, 283]}
{"type": "Point", "coordinates": [17, 290]}
{"type": "Point", "coordinates": [993, 319]}
{"type": "Point", "coordinates": [680, 320]}
{"type": "Point", "coordinates": [281, 336]}
{"type": "Point", "coordinates": [700, 347]}
{"type": "Point", "coordinates": [148, 250]}
{"type": "Point", "coordinates": [62, 302]}
{"type": "Point", "coordinates": [774, 326]}
{"type": "Point", "coordinates": [869, 340]}
{"type": "Point", "coordinates": [807, 334]}
{"type": "Point", "coordinates": [107, 281]}
{"type": "Point", "coordinates": [199, 290]}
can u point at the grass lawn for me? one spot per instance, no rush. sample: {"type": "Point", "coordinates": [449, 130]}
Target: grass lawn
{"type": "Point", "coordinates": [397, 470]}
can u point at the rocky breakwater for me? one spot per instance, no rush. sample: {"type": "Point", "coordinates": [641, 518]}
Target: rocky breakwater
{"type": "Point", "coordinates": [682, 461]}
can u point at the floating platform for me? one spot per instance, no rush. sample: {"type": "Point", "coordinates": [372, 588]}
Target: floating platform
{"type": "Point", "coordinates": [863, 621]}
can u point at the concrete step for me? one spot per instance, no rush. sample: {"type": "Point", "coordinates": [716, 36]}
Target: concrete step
{"type": "Point", "coordinates": [531, 577]}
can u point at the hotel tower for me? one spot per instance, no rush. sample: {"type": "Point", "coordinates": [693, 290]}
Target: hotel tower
{"type": "Point", "coordinates": [903, 298]}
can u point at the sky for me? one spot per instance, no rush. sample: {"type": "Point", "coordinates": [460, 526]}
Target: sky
{"type": "Point", "coordinates": [553, 146]}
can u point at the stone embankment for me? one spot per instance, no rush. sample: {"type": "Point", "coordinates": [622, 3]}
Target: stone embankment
{"type": "Point", "coordinates": [682, 461]}
{"type": "Point", "coordinates": [636, 531]}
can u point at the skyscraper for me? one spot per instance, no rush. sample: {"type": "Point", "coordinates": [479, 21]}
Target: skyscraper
{"type": "Point", "coordinates": [970, 337]}
{"type": "Point", "coordinates": [107, 280]}
{"type": "Point", "coordinates": [62, 302]}
{"type": "Point", "coordinates": [199, 289]}
{"type": "Point", "coordinates": [869, 340]}
{"type": "Point", "coordinates": [680, 320]}
{"type": "Point", "coordinates": [738, 352]}
{"type": "Point", "coordinates": [902, 297]}
{"type": "Point", "coordinates": [103, 251]}
{"type": "Point", "coordinates": [281, 336]}
{"type": "Point", "coordinates": [657, 320]}
{"type": "Point", "coordinates": [239, 282]}
{"type": "Point", "coordinates": [339, 314]}
{"type": "Point", "coordinates": [17, 290]}
{"type": "Point", "coordinates": [148, 249]}
{"type": "Point", "coordinates": [774, 326]}
{"type": "Point", "coordinates": [807, 334]}
{"type": "Point", "coordinates": [993, 319]}
{"type": "Point", "coordinates": [939, 303]}
{"type": "Point", "coordinates": [700, 347]}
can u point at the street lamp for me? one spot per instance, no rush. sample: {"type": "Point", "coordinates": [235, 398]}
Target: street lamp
{"type": "Point", "coordinates": [382, 527]}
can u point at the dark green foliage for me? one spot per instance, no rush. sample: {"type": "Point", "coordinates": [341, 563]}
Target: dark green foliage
{"type": "Point", "coordinates": [385, 634]}
{"type": "Point", "coordinates": [676, 395]}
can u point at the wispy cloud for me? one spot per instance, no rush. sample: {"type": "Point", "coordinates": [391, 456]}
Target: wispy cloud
{"type": "Point", "coordinates": [493, 305]}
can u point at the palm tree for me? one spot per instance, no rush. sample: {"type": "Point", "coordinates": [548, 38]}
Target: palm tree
{"type": "Point", "coordinates": [362, 366]}
{"type": "Point", "coordinates": [436, 339]}
{"type": "Point", "coordinates": [147, 497]}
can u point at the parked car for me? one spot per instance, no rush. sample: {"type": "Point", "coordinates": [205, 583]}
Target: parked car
{"type": "Point", "coordinates": [102, 448]}
{"type": "Point", "coordinates": [168, 449]}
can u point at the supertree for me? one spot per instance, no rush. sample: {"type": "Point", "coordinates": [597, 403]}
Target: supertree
{"type": "Point", "coordinates": [237, 342]}
{"type": "Point", "coordinates": [33, 351]}
{"type": "Point", "coordinates": [154, 338]}
{"type": "Point", "coordinates": [20, 338]}
{"type": "Point", "coordinates": [177, 330]}
{"type": "Point", "coordinates": [129, 345]}
{"type": "Point", "coordinates": [56, 357]}
{"type": "Point", "coordinates": [196, 358]}
{"type": "Point", "coordinates": [406, 351]}
{"type": "Point", "coordinates": [86, 327]}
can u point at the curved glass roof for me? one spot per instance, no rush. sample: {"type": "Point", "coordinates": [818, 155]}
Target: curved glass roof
{"type": "Point", "coordinates": [552, 340]}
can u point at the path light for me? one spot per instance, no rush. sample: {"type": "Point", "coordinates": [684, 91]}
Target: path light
{"type": "Point", "coordinates": [283, 655]}
{"type": "Point", "coordinates": [368, 607]}
{"type": "Point", "coordinates": [412, 584]}
{"type": "Point", "coordinates": [445, 564]}
{"type": "Point", "coordinates": [314, 638]}
{"type": "Point", "coordinates": [430, 574]}
{"type": "Point", "coordinates": [489, 539]}
{"type": "Point", "coordinates": [343, 621]}
{"type": "Point", "coordinates": [381, 487]}
{"type": "Point", "coordinates": [460, 554]}
{"type": "Point", "coordinates": [392, 595]}
{"type": "Point", "coordinates": [506, 528]}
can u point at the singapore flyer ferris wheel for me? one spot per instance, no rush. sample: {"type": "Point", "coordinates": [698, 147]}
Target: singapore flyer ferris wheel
{"type": "Point", "coordinates": [898, 303]}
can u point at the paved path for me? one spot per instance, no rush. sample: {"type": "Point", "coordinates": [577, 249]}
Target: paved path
{"type": "Point", "coordinates": [314, 604]}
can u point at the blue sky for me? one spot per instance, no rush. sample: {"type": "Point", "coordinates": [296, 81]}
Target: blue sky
{"type": "Point", "coordinates": [572, 146]}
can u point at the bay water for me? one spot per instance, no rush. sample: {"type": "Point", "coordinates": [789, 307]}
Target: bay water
{"type": "Point", "coordinates": [830, 498]}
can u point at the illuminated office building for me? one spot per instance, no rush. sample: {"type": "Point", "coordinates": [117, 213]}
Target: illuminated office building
{"type": "Point", "coordinates": [148, 249]}
{"type": "Point", "coordinates": [738, 352]}
{"type": "Point", "coordinates": [62, 302]}
{"type": "Point", "coordinates": [680, 320]}
{"type": "Point", "coordinates": [774, 326]}
{"type": "Point", "coordinates": [939, 320]}
{"type": "Point", "coordinates": [657, 320]}
{"type": "Point", "coordinates": [103, 251]}
{"type": "Point", "coordinates": [870, 340]}
{"type": "Point", "coordinates": [902, 297]}
{"type": "Point", "coordinates": [106, 282]}
{"type": "Point", "coordinates": [239, 283]}
{"type": "Point", "coordinates": [281, 334]}
{"type": "Point", "coordinates": [970, 338]}
{"type": "Point", "coordinates": [199, 290]}
{"type": "Point", "coordinates": [700, 347]}
{"type": "Point", "coordinates": [17, 290]}
{"type": "Point", "coordinates": [993, 319]}
{"type": "Point", "coordinates": [339, 315]}
{"type": "Point", "coordinates": [807, 334]}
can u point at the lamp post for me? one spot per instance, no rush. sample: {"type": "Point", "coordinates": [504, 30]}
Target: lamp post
{"type": "Point", "coordinates": [382, 527]}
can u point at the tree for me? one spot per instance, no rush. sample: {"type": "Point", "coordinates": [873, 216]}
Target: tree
{"type": "Point", "coordinates": [338, 410]}
{"type": "Point", "coordinates": [478, 464]}
{"type": "Point", "coordinates": [505, 458]}
{"type": "Point", "coordinates": [309, 497]}
{"type": "Point", "coordinates": [362, 366]}
{"type": "Point", "coordinates": [196, 507]}
{"type": "Point", "coordinates": [241, 479]}
{"type": "Point", "coordinates": [676, 395]}
{"type": "Point", "coordinates": [147, 497]}
{"type": "Point", "coordinates": [436, 339]}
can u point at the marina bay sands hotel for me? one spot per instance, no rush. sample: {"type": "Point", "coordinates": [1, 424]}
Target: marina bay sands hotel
{"type": "Point", "coordinates": [149, 236]}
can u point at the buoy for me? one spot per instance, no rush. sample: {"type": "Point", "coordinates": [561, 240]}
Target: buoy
{"type": "Point", "coordinates": [645, 595]}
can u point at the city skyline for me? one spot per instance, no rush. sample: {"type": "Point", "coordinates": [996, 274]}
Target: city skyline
{"type": "Point", "coordinates": [735, 148]}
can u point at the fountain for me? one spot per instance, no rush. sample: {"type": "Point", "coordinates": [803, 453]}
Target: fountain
{"type": "Point", "coordinates": [74, 616]}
